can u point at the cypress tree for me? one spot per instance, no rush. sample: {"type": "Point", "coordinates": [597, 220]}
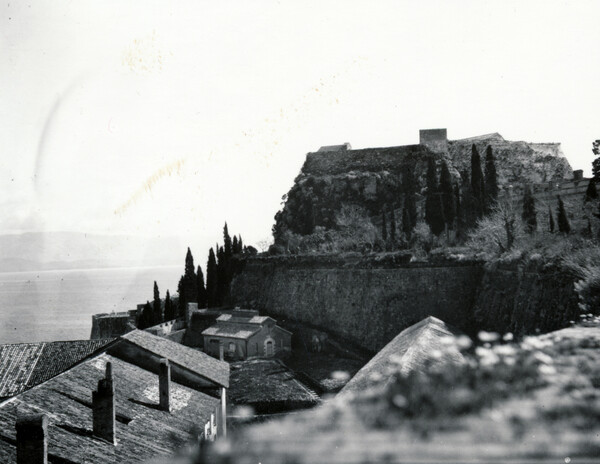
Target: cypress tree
{"type": "Point", "coordinates": [529, 215]}
{"type": "Point", "coordinates": [201, 288]}
{"type": "Point", "coordinates": [392, 225]}
{"type": "Point", "coordinates": [383, 225]}
{"type": "Point", "coordinates": [477, 185]}
{"type": "Point", "coordinates": [563, 221]}
{"type": "Point", "coordinates": [228, 249]}
{"type": "Point", "coordinates": [211, 280]}
{"type": "Point", "coordinates": [459, 216]}
{"type": "Point", "coordinates": [410, 203]}
{"type": "Point", "coordinates": [491, 180]}
{"type": "Point", "coordinates": [309, 217]}
{"type": "Point", "coordinates": [187, 287]}
{"type": "Point", "coordinates": [157, 309]}
{"type": "Point", "coordinates": [234, 246]}
{"type": "Point", "coordinates": [146, 317]}
{"type": "Point", "coordinates": [448, 199]}
{"type": "Point", "coordinates": [240, 244]}
{"type": "Point", "coordinates": [596, 162]}
{"type": "Point", "coordinates": [550, 220]}
{"type": "Point", "coordinates": [406, 225]}
{"type": "Point", "coordinates": [591, 194]}
{"type": "Point", "coordinates": [189, 263]}
{"type": "Point", "coordinates": [434, 213]}
{"type": "Point", "coordinates": [169, 311]}
{"type": "Point", "coordinates": [221, 276]}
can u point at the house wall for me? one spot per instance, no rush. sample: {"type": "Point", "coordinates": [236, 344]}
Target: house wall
{"type": "Point", "coordinates": [213, 348]}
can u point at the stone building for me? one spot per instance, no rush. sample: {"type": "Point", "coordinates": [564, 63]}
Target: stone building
{"type": "Point", "coordinates": [244, 334]}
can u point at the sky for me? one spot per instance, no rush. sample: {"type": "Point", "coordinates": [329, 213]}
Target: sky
{"type": "Point", "coordinates": [151, 118]}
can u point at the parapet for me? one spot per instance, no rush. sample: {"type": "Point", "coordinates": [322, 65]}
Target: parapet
{"type": "Point", "coordinates": [343, 147]}
{"type": "Point", "coordinates": [434, 139]}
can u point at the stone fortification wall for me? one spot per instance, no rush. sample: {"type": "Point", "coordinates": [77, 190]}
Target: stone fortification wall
{"type": "Point", "coordinates": [515, 161]}
{"type": "Point", "coordinates": [365, 301]}
{"type": "Point", "coordinates": [524, 300]}
{"type": "Point", "coordinates": [110, 325]}
{"type": "Point", "coordinates": [369, 301]}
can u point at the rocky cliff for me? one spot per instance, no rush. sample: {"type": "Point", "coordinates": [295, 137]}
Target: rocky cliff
{"type": "Point", "coordinates": [373, 178]}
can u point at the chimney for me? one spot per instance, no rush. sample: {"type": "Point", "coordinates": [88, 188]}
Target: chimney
{"type": "Point", "coordinates": [164, 380]}
{"type": "Point", "coordinates": [32, 439]}
{"type": "Point", "coordinates": [103, 407]}
{"type": "Point", "coordinates": [578, 174]}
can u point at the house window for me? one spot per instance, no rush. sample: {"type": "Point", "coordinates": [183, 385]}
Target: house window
{"type": "Point", "coordinates": [231, 347]}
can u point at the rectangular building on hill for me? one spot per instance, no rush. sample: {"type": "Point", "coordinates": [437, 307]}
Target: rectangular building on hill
{"type": "Point", "coordinates": [244, 334]}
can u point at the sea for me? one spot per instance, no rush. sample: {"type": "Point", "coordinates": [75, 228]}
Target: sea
{"type": "Point", "coordinates": [58, 305]}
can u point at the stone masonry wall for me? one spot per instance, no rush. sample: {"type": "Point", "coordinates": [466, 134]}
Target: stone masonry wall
{"type": "Point", "coordinates": [364, 303]}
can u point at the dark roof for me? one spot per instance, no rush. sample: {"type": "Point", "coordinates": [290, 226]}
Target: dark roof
{"type": "Point", "coordinates": [188, 358]}
{"type": "Point", "coordinates": [232, 330]}
{"type": "Point", "coordinates": [25, 365]}
{"type": "Point", "coordinates": [269, 386]}
{"type": "Point", "coordinates": [411, 350]}
{"type": "Point", "coordinates": [143, 431]}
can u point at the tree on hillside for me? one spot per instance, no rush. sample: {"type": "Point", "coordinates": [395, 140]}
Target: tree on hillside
{"type": "Point", "coordinates": [211, 280]}
{"type": "Point", "coordinates": [460, 213]}
{"type": "Point", "coordinates": [434, 213]}
{"type": "Point", "coordinates": [146, 317]}
{"type": "Point", "coordinates": [392, 226]}
{"type": "Point", "coordinates": [563, 221]}
{"type": "Point", "coordinates": [308, 225]}
{"type": "Point", "coordinates": [406, 225]}
{"type": "Point", "coordinates": [156, 306]}
{"type": "Point", "coordinates": [550, 220]}
{"type": "Point", "coordinates": [529, 215]}
{"type": "Point", "coordinates": [409, 185]}
{"type": "Point", "coordinates": [187, 288]}
{"type": "Point", "coordinates": [227, 245]}
{"type": "Point", "coordinates": [591, 193]}
{"type": "Point", "coordinates": [596, 162]}
{"type": "Point", "coordinates": [169, 309]}
{"type": "Point", "coordinates": [383, 225]}
{"type": "Point", "coordinates": [201, 288]}
{"type": "Point", "coordinates": [448, 199]}
{"type": "Point", "coordinates": [491, 180]}
{"type": "Point", "coordinates": [240, 244]}
{"type": "Point", "coordinates": [477, 185]}
{"type": "Point", "coordinates": [221, 276]}
{"type": "Point", "coordinates": [234, 245]}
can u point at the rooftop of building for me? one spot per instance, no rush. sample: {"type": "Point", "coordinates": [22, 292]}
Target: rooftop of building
{"type": "Point", "coordinates": [188, 358]}
{"type": "Point", "coordinates": [143, 431]}
{"type": "Point", "coordinates": [268, 386]}
{"type": "Point", "coordinates": [413, 349]}
{"type": "Point", "coordinates": [25, 365]}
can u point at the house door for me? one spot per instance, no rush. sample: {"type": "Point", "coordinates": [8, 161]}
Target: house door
{"type": "Point", "coordinates": [269, 348]}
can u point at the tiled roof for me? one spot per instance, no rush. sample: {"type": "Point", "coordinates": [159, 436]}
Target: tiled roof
{"type": "Point", "coordinates": [232, 330]}
{"type": "Point", "coordinates": [188, 358]}
{"type": "Point", "coordinates": [259, 320]}
{"type": "Point", "coordinates": [411, 350]}
{"type": "Point", "coordinates": [142, 430]}
{"type": "Point", "coordinates": [25, 365]}
{"type": "Point", "coordinates": [269, 386]}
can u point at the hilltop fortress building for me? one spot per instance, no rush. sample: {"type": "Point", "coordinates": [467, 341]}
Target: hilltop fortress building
{"type": "Point", "coordinates": [374, 178]}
